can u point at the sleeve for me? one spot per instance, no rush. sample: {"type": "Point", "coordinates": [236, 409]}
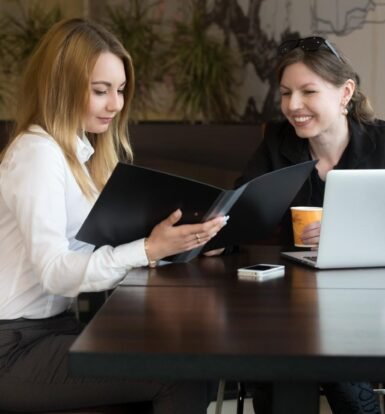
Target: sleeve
{"type": "Point", "coordinates": [35, 184]}
{"type": "Point", "coordinates": [259, 163]}
{"type": "Point", "coordinates": [265, 159]}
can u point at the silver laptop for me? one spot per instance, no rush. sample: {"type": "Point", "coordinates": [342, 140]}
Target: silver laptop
{"type": "Point", "coordinates": [353, 222]}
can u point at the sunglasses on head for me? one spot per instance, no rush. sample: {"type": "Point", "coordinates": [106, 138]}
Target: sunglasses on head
{"type": "Point", "coordinates": [307, 44]}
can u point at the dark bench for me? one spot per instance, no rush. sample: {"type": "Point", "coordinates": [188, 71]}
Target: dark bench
{"type": "Point", "coordinates": [215, 154]}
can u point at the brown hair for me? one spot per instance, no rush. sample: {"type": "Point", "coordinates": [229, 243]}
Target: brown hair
{"type": "Point", "coordinates": [333, 70]}
{"type": "Point", "coordinates": [55, 93]}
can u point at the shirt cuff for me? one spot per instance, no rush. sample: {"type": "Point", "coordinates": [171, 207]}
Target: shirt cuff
{"type": "Point", "coordinates": [131, 254]}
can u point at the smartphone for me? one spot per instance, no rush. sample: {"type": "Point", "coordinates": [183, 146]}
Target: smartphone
{"type": "Point", "coordinates": [260, 272]}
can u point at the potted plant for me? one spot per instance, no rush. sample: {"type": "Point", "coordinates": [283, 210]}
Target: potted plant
{"type": "Point", "coordinates": [200, 70]}
{"type": "Point", "coordinates": [203, 69]}
{"type": "Point", "coordinates": [137, 29]}
{"type": "Point", "coordinates": [19, 34]}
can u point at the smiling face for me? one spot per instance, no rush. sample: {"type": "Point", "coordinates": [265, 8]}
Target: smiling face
{"type": "Point", "coordinates": [312, 105]}
{"type": "Point", "coordinates": [106, 98]}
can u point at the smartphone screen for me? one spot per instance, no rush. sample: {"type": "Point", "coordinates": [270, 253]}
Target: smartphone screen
{"type": "Point", "coordinates": [261, 267]}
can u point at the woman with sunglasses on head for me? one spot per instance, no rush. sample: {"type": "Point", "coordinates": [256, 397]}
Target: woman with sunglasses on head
{"type": "Point", "coordinates": [327, 118]}
{"type": "Point", "coordinates": [70, 131]}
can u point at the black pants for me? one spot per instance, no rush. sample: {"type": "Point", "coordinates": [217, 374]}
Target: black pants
{"type": "Point", "coordinates": [34, 375]}
{"type": "Point", "coordinates": [343, 398]}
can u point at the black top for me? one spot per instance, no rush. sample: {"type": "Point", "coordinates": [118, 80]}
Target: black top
{"type": "Point", "coordinates": [281, 147]}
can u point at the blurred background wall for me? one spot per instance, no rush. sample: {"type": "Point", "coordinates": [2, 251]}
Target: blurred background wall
{"type": "Point", "coordinates": [242, 35]}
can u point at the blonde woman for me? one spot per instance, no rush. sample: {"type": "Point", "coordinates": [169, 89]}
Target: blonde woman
{"type": "Point", "coordinates": [70, 132]}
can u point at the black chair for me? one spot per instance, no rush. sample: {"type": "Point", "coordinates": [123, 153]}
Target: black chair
{"type": "Point", "coordinates": [239, 393]}
{"type": "Point", "coordinates": [230, 390]}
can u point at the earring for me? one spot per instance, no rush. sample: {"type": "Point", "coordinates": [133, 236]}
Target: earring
{"type": "Point", "coordinates": [344, 110]}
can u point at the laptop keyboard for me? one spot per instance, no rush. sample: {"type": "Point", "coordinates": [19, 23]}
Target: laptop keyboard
{"type": "Point", "coordinates": [312, 258]}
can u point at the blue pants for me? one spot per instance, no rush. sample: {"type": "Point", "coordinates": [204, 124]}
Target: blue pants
{"type": "Point", "coordinates": [343, 398]}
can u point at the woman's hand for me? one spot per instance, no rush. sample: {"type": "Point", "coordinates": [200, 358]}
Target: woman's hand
{"type": "Point", "coordinates": [166, 239]}
{"type": "Point", "coordinates": [311, 233]}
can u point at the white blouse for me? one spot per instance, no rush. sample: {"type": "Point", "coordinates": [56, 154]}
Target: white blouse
{"type": "Point", "coordinates": [42, 265]}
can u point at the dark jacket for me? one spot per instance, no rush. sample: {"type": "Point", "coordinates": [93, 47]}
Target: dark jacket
{"type": "Point", "coordinates": [281, 147]}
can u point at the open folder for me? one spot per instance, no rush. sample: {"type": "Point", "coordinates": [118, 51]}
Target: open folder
{"type": "Point", "coordinates": [135, 199]}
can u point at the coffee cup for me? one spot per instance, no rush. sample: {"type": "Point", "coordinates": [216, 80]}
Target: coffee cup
{"type": "Point", "coordinates": [301, 217]}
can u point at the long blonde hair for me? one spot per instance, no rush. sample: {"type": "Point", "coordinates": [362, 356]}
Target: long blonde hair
{"type": "Point", "coordinates": [55, 93]}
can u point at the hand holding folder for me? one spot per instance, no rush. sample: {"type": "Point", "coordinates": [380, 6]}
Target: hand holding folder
{"type": "Point", "coordinates": [135, 199]}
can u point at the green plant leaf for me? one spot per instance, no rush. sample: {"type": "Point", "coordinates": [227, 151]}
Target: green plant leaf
{"type": "Point", "coordinates": [203, 70]}
{"type": "Point", "coordinates": [135, 27]}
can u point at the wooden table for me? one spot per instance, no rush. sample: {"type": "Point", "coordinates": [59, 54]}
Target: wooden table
{"type": "Point", "coordinates": [197, 321]}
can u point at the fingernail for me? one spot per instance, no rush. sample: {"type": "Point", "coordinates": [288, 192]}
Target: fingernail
{"type": "Point", "coordinates": [226, 219]}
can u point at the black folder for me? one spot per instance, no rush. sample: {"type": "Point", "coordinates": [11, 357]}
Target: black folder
{"type": "Point", "coordinates": [135, 199]}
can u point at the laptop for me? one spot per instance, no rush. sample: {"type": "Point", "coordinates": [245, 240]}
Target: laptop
{"type": "Point", "coordinates": [353, 222]}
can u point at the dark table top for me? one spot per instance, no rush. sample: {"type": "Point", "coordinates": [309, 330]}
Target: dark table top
{"type": "Point", "coordinates": [198, 320]}
{"type": "Point", "coordinates": [222, 270]}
